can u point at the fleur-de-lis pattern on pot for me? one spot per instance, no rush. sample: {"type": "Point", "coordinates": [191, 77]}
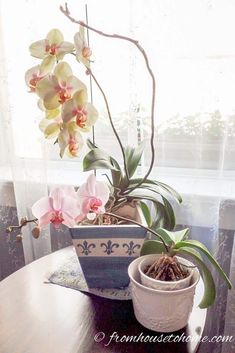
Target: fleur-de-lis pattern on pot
{"type": "Point", "coordinates": [131, 247]}
{"type": "Point", "coordinates": [109, 246]}
{"type": "Point", "coordinates": [86, 248]}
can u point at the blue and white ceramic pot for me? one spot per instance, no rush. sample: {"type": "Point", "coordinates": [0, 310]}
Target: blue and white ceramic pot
{"type": "Point", "coordinates": [105, 252]}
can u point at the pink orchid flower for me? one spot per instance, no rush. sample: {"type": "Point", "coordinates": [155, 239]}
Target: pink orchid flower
{"type": "Point", "coordinates": [60, 207]}
{"type": "Point", "coordinates": [92, 197]}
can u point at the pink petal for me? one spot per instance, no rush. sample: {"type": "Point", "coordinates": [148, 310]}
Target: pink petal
{"type": "Point", "coordinates": [57, 196]}
{"type": "Point", "coordinates": [42, 206]}
{"type": "Point", "coordinates": [68, 220]}
{"type": "Point", "coordinates": [45, 219]}
{"type": "Point", "coordinates": [69, 191]}
{"type": "Point", "coordinates": [85, 205]}
{"type": "Point", "coordinates": [70, 206]}
{"type": "Point", "coordinates": [102, 191]}
{"type": "Point", "coordinates": [80, 217]}
{"type": "Point", "coordinates": [91, 185]}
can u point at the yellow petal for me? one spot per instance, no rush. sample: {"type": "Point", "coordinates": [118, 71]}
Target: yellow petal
{"type": "Point", "coordinates": [78, 42]}
{"type": "Point", "coordinates": [53, 113]}
{"type": "Point", "coordinates": [72, 128]}
{"type": "Point", "coordinates": [38, 49]}
{"type": "Point", "coordinates": [47, 64]}
{"type": "Point", "coordinates": [76, 84]}
{"type": "Point", "coordinates": [41, 105]}
{"type": "Point", "coordinates": [92, 114]}
{"type": "Point", "coordinates": [80, 97]}
{"type": "Point", "coordinates": [50, 130]}
{"type": "Point", "coordinates": [63, 140]}
{"type": "Point", "coordinates": [68, 110]}
{"type": "Point", "coordinates": [65, 47]}
{"type": "Point", "coordinates": [45, 86]}
{"type": "Point", "coordinates": [55, 37]}
{"type": "Point", "coordinates": [62, 71]}
{"type": "Point", "coordinates": [51, 100]}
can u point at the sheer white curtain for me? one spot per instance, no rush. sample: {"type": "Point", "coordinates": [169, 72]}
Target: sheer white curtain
{"type": "Point", "coordinates": [191, 51]}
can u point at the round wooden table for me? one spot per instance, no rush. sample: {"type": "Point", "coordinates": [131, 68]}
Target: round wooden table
{"type": "Point", "coordinates": [36, 317]}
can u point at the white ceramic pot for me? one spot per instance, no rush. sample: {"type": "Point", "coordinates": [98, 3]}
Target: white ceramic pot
{"type": "Point", "coordinates": [163, 285]}
{"type": "Point", "coordinates": [160, 310]}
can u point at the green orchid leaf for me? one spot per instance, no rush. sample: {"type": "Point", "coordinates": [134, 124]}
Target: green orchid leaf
{"type": "Point", "coordinates": [91, 144]}
{"type": "Point", "coordinates": [146, 213]}
{"type": "Point", "coordinates": [209, 284]}
{"type": "Point", "coordinates": [97, 159]}
{"type": "Point", "coordinates": [165, 235]}
{"type": "Point", "coordinates": [164, 213]}
{"type": "Point", "coordinates": [116, 174]}
{"type": "Point", "coordinates": [170, 213]}
{"type": "Point", "coordinates": [168, 189]}
{"type": "Point", "coordinates": [160, 218]}
{"type": "Point", "coordinates": [173, 237]}
{"type": "Point", "coordinates": [152, 247]}
{"type": "Point", "coordinates": [145, 194]}
{"type": "Point", "coordinates": [201, 247]}
{"type": "Point", "coordinates": [133, 156]}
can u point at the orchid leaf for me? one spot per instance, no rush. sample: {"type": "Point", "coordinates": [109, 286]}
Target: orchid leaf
{"type": "Point", "coordinates": [152, 247]}
{"type": "Point", "coordinates": [201, 247]}
{"type": "Point", "coordinates": [133, 156]}
{"type": "Point", "coordinates": [173, 237]}
{"type": "Point", "coordinates": [97, 159]}
{"type": "Point", "coordinates": [91, 144]}
{"type": "Point", "coordinates": [146, 213]}
{"type": "Point", "coordinates": [209, 284]}
{"type": "Point", "coordinates": [165, 235]}
{"type": "Point", "coordinates": [160, 185]}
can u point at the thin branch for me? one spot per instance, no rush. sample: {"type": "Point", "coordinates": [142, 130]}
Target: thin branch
{"type": "Point", "coordinates": [66, 12]}
{"type": "Point", "coordinates": [22, 224]}
{"type": "Point", "coordinates": [140, 225]}
{"type": "Point", "coordinates": [110, 120]}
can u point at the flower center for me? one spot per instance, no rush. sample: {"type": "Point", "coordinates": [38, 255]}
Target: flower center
{"type": "Point", "coordinates": [33, 82]}
{"type": "Point", "coordinates": [57, 219]}
{"type": "Point", "coordinates": [52, 49]}
{"type": "Point", "coordinates": [86, 52]}
{"type": "Point", "coordinates": [81, 117]}
{"type": "Point", "coordinates": [63, 95]}
{"type": "Point", "coordinates": [95, 204]}
{"type": "Point", "coordinates": [73, 147]}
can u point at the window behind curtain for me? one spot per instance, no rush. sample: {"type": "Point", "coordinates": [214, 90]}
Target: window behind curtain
{"type": "Point", "coordinates": [191, 51]}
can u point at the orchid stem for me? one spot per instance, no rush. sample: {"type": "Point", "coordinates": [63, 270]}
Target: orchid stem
{"type": "Point", "coordinates": [111, 120]}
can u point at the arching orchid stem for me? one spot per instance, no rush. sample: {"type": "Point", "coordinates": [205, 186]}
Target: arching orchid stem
{"type": "Point", "coordinates": [66, 12]}
{"type": "Point", "coordinates": [140, 225]}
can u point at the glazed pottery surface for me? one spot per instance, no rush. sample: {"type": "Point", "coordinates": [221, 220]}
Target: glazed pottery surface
{"type": "Point", "coordinates": [105, 251]}
{"type": "Point", "coordinates": [161, 310]}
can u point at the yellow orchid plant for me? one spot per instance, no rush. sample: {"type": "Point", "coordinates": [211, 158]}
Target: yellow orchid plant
{"type": "Point", "coordinates": [62, 96]}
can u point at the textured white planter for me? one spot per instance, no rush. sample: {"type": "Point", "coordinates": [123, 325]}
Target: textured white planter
{"type": "Point", "coordinates": [159, 310]}
{"type": "Point", "coordinates": [163, 285]}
